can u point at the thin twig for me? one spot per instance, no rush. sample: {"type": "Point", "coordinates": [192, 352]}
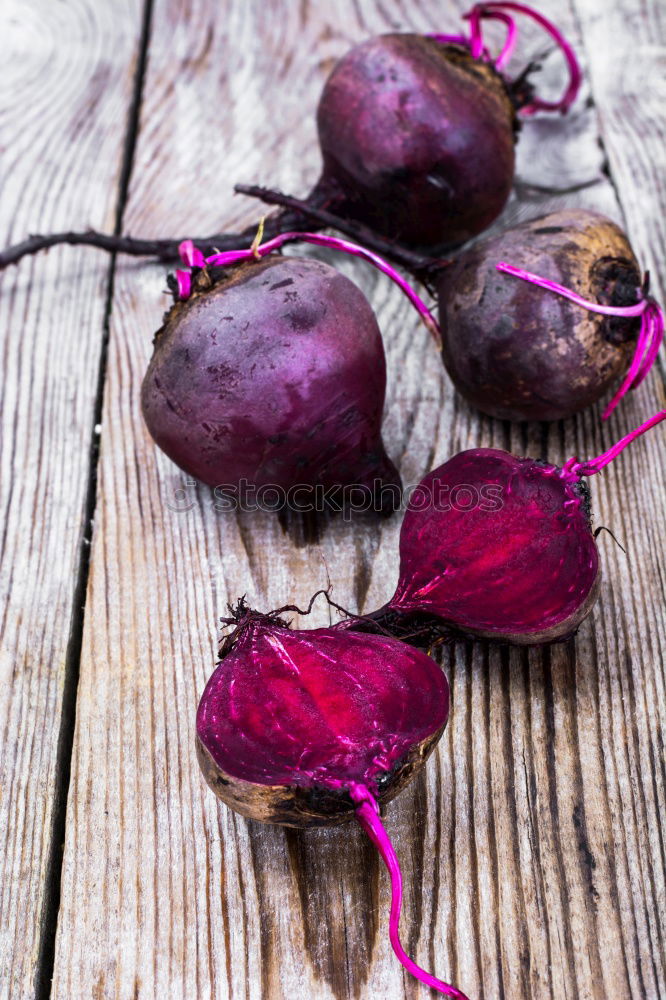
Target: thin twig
{"type": "Point", "coordinates": [165, 250]}
{"type": "Point", "coordinates": [296, 215]}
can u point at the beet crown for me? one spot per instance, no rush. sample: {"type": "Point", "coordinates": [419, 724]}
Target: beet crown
{"type": "Point", "coordinates": [498, 10]}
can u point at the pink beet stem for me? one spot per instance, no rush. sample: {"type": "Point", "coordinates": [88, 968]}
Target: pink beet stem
{"type": "Point", "coordinates": [449, 39]}
{"type": "Point", "coordinates": [475, 41]}
{"type": "Point", "coordinates": [367, 813]}
{"type": "Point", "coordinates": [573, 469]}
{"type": "Point", "coordinates": [650, 336]}
{"type": "Point", "coordinates": [511, 38]}
{"type": "Point", "coordinates": [575, 76]}
{"type": "Point", "coordinates": [188, 254]}
{"type": "Point", "coordinates": [184, 279]}
{"type": "Point", "coordinates": [477, 48]}
{"type": "Point", "coordinates": [657, 316]}
{"type": "Point", "coordinates": [191, 255]}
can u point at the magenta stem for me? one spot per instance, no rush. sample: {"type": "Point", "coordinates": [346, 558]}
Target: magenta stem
{"type": "Point", "coordinates": [566, 293]}
{"type": "Point", "coordinates": [573, 469]}
{"type": "Point", "coordinates": [475, 40]}
{"type": "Point", "coordinates": [449, 39]}
{"type": "Point", "coordinates": [367, 813]}
{"type": "Point", "coordinates": [476, 44]}
{"type": "Point", "coordinates": [511, 38]}
{"type": "Point", "coordinates": [650, 336]}
{"type": "Point", "coordinates": [490, 9]}
{"type": "Point", "coordinates": [195, 258]}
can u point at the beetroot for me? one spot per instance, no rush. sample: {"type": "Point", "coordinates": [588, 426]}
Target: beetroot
{"type": "Point", "coordinates": [318, 727]}
{"type": "Point", "coordinates": [419, 138]}
{"type": "Point", "coordinates": [271, 378]}
{"type": "Point", "coordinates": [520, 350]}
{"type": "Point", "coordinates": [500, 547]}
{"type": "Point", "coordinates": [417, 133]}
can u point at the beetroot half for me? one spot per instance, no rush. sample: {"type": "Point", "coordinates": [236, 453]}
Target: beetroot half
{"type": "Point", "coordinates": [500, 547]}
{"type": "Point", "coordinates": [512, 558]}
{"type": "Point", "coordinates": [518, 349]}
{"type": "Point", "coordinates": [313, 728]}
{"type": "Point", "coordinates": [272, 375]}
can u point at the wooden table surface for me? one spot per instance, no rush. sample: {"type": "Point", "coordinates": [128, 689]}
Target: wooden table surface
{"type": "Point", "coordinates": [532, 845]}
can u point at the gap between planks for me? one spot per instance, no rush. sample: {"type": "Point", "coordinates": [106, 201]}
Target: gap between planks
{"type": "Point", "coordinates": [51, 906]}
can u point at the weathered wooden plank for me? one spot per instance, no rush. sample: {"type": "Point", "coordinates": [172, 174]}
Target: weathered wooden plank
{"type": "Point", "coordinates": [530, 845]}
{"type": "Point", "coordinates": [66, 84]}
{"type": "Point", "coordinates": [626, 54]}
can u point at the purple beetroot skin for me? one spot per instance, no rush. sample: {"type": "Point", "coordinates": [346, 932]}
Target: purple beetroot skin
{"type": "Point", "coordinates": [273, 375]}
{"type": "Point", "coordinates": [498, 547]}
{"type": "Point", "coordinates": [418, 136]}
{"type": "Point", "coordinates": [520, 352]}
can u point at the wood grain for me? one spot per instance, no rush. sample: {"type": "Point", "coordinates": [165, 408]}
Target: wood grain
{"type": "Point", "coordinates": [531, 845]}
{"type": "Point", "coordinates": [63, 105]}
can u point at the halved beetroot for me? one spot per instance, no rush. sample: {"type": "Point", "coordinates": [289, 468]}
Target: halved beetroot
{"type": "Point", "coordinates": [499, 546]}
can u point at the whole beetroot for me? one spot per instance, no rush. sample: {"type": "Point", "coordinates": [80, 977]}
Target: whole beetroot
{"type": "Point", "coordinates": [518, 351]}
{"type": "Point", "coordinates": [418, 136]}
{"type": "Point", "coordinates": [417, 132]}
{"type": "Point", "coordinates": [272, 374]}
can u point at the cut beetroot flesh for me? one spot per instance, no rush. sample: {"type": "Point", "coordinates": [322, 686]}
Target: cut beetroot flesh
{"type": "Point", "coordinates": [512, 555]}
{"type": "Point", "coordinates": [319, 707]}
{"type": "Point", "coordinates": [317, 727]}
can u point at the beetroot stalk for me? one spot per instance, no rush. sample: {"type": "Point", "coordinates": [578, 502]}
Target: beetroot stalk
{"type": "Point", "coordinates": [367, 814]}
{"type": "Point", "coordinates": [650, 337]}
{"type": "Point", "coordinates": [574, 469]}
{"type": "Point", "coordinates": [194, 258]}
{"type": "Point", "coordinates": [497, 11]}
{"type": "Point", "coordinates": [475, 41]}
{"type": "Point", "coordinates": [511, 38]}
